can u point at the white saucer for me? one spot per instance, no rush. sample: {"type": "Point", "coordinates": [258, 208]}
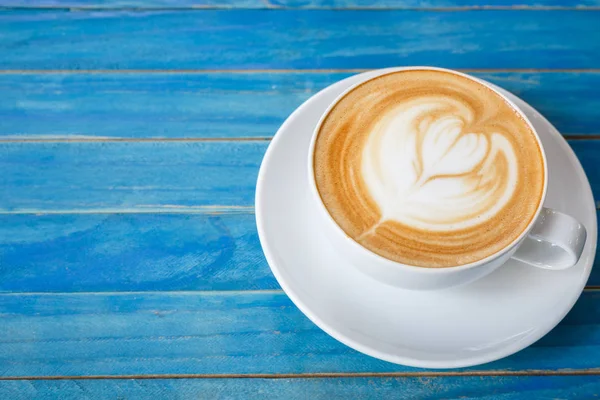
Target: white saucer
{"type": "Point", "coordinates": [482, 322]}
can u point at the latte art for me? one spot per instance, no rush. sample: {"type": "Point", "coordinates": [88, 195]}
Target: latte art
{"type": "Point", "coordinates": [428, 168]}
{"type": "Point", "coordinates": [424, 170]}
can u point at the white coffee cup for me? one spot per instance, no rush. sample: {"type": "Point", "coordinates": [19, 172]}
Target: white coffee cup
{"type": "Point", "coordinates": [552, 241]}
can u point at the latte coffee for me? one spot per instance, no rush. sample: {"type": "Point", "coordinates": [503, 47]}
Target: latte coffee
{"type": "Point", "coordinates": [428, 168]}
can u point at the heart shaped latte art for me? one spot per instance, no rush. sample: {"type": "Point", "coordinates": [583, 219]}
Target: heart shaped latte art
{"type": "Point", "coordinates": [426, 169]}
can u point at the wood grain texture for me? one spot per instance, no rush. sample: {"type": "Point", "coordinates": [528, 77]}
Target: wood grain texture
{"type": "Point", "coordinates": [231, 39]}
{"type": "Point", "coordinates": [131, 252]}
{"type": "Point", "coordinates": [136, 252]}
{"type": "Point", "coordinates": [490, 388]}
{"type": "Point", "coordinates": [63, 176]}
{"type": "Point", "coordinates": [223, 333]}
{"type": "Point", "coordinates": [145, 176]}
{"type": "Point", "coordinates": [224, 105]}
{"type": "Point", "coordinates": [310, 4]}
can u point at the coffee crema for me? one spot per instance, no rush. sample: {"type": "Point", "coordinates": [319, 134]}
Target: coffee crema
{"type": "Point", "coordinates": [428, 168]}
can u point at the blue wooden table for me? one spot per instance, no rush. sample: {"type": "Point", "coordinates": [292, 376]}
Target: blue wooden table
{"type": "Point", "coordinates": [131, 132]}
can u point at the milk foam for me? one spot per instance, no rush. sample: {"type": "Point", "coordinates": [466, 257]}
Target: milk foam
{"type": "Point", "coordinates": [428, 168]}
{"type": "Point", "coordinates": [425, 170]}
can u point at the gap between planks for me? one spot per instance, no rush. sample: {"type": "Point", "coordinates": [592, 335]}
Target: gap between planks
{"type": "Point", "coordinates": [424, 374]}
{"type": "Point", "coordinates": [104, 139]}
{"type": "Point", "coordinates": [276, 71]}
{"type": "Point", "coordinates": [269, 6]}
{"type": "Point", "coordinates": [149, 292]}
{"type": "Point", "coordinates": [82, 139]}
{"type": "Point", "coordinates": [588, 289]}
{"type": "Point", "coordinates": [159, 209]}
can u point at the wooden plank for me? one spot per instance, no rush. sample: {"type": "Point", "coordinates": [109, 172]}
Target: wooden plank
{"type": "Point", "coordinates": [136, 252]}
{"type": "Point", "coordinates": [131, 252]}
{"type": "Point", "coordinates": [144, 176]}
{"type": "Point", "coordinates": [310, 4]}
{"type": "Point", "coordinates": [223, 105]}
{"type": "Point", "coordinates": [223, 333]}
{"type": "Point", "coordinates": [237, 39]}
{"type": "Point", "coordinates": [516, 387]}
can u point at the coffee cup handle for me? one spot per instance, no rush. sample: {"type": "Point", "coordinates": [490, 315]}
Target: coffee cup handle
{"type": "Point", "coordinates": [555, 241]}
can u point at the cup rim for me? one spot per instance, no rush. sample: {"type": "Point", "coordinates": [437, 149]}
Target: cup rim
{"type": "Point", "coordinates": [394, 264]}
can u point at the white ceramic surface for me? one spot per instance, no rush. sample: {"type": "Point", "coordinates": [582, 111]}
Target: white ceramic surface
{"type": "Point", "coordinates": [557, 241]}
{"type": "Point", "coordinates": [491, 318]}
